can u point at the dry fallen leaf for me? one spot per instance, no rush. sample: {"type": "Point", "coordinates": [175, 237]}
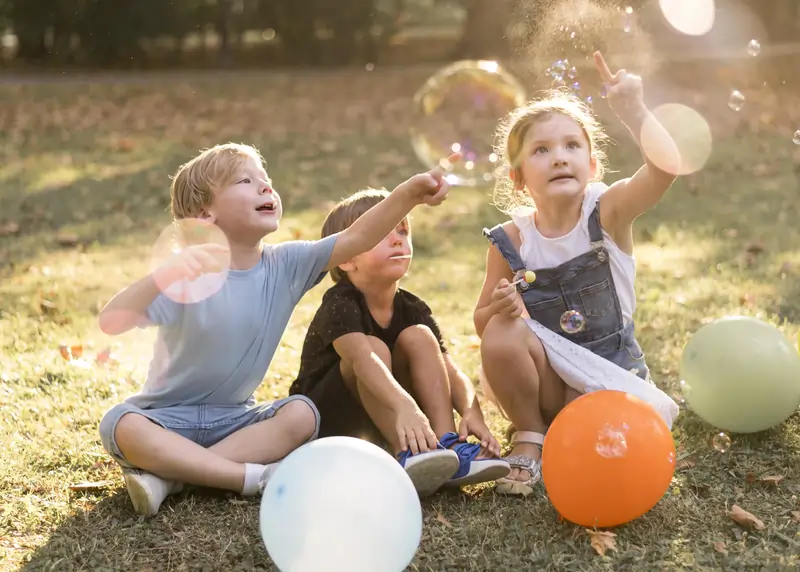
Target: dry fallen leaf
{"type": "Point", "coordinates": [90, 485]}
{"type": "Point", "coordinates": [796, 516]}
{"type": "Point", "coordinates": [771, 479]}
{"type": "Point", "coordinates": [684, 464]}
{"type": "Point", "coordinates": [441, 518]}
{"type": "Point", "coordinates": [106, 357]}
{"type": "Point", "coordinates": [720, 547]}
{"type": "Point", "coordinates": [71, 352]}
{"type": "Point", "coordinates": [745, 519]}
{"type": "Point", "coordinates": [602, 540]}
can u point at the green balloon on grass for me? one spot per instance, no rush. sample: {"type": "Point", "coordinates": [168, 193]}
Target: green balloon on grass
{"type": "Point", "coordinates": [741, 375]}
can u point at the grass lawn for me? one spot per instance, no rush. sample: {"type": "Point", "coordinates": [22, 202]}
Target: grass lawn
{"type": "Point", "coordinates": [84, 192]}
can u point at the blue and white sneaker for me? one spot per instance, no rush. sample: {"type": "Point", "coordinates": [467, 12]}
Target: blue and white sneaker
{"type": "Point", "coordinates": [429, 471]}
{"type": "Point", "coordinates": [471, 470]}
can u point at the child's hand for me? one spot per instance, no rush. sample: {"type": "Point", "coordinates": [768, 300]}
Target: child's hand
{"type": "Point", "coordinates": [430, 188]}
{"type": "Point", "coordinates": [625, 92]}
{"type": "Point", "coordinates": [414, 430]}
{"type": "Point", "coordinates": [191, 263]}
{"type": "Point", "coordinates": [474, 424]}
{"type": "Point", "coordinates": [506, 301]}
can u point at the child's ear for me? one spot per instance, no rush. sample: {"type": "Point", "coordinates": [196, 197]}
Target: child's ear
{"type": "Point", "coordinates": [593, 166]}
{"type": "Point", "coordinates": [206, 214]}
{"type": "Point", "coordinates": [348, 266]}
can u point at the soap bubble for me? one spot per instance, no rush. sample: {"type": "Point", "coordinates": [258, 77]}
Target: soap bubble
{"type": "Point", "coordinates": [754, 48]}
{"type": "Point", "coordinates": [736, 100]}
{"type": "Point", "coordinates": [572, 322]}
{"type": "Point", "coordinates": [722, 442]}
{"type": "Point", "coordinates": [175, 239]}
{"type": "Point", "coordinates": [689, 132]}
{"type": "Point", "coordinates": [796, 138]}
{"type": "Point", "coordinates": [458, 109]}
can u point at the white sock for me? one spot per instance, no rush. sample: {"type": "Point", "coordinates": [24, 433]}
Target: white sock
{"type": "Point", "coordinates": [252, 476]}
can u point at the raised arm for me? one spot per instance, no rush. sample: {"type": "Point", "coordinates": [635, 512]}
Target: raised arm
{"type": "Point", "coordinates": [429, 188]}
{"type": "Point", "coordinates": [627, 199]}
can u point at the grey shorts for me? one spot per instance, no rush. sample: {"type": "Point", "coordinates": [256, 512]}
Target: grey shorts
{"type": "Point", "coordinates": [206, 425]}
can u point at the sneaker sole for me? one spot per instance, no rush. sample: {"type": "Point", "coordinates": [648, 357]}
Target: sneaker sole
{"type": "Point", "coordinates": [432, 470]}
{"type": "Point", "coordinates": [139, 497]}
{"type": "Point", "coordinates": [490, 472]}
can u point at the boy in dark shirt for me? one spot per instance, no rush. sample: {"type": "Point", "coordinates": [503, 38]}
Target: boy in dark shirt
{"type": "Point", "coordinates": [376, 367]}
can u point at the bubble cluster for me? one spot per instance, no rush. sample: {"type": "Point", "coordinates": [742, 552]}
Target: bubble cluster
{"type": "Point", "coordinates": [563, 74]}
{"type": "Point", "coordinates": [572, 322]}
{"type": "Point", "coordinates": [722, 442]}
{"type": "Point", "coordinates": [458, 109]}
{"type": "Point", "coordinates": [736, 100]}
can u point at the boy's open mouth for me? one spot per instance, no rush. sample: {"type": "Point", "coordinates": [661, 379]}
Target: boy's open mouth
{"type": "Point", "coordinates": [267, 208]}
{"type": "Point", "coordinates": [399, 256]}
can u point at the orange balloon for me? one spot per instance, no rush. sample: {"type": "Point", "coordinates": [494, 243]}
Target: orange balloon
{"type": "Point", "coordinates": [607, 459]}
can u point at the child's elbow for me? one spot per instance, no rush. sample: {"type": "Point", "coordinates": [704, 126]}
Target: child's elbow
{"type": "Point", "coordinates": [111, 323]}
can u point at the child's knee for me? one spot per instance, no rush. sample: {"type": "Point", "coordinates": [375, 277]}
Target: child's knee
{"type": "Point", "coordinates": [301, 417]}
{"type": "Point", "coordinates": [416, 339]}
{"type": "Point", "coordinates": [504, 338]}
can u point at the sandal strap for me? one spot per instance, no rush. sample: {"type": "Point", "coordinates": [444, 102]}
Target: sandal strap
{"type": "Point", "coordinates": [521, 462]}
{"type": "Point", "coordinates": [527, 438]}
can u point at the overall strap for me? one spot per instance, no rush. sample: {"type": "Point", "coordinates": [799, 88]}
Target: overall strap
{"type": "Point", "coordinates": [596, 232]}
{"type": "Point", "coordinates": [497, 236]}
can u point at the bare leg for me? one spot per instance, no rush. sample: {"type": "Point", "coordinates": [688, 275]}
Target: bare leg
{"type": "Point", "coordinates": [172, 457]}
{"type": "Point", "coordinates": [417, 363]}
{"type": "Point", "coordinates": [383, 417]}
{"type": "Point", "coordinates": [522, 380]}
{"type": "Point", "coordinates": [272, 439]}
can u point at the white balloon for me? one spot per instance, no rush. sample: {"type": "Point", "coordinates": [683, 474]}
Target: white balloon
{"type": "Point", "coordinates": [340, 504]}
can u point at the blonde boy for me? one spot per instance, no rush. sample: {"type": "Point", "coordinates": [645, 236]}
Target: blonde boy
{"type": "Point", "coordinates": [195, 420]}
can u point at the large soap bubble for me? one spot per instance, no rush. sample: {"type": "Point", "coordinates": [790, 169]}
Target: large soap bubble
{"type": "Point", "coordinates": [458, 109]}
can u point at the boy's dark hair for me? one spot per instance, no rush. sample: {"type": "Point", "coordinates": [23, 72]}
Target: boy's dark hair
{"type": "Point", "coordinates": [346, 212]}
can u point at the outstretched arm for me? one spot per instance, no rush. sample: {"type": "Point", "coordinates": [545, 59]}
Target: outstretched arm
{"type": "Point", "coordinates": [368, 230]}
{"type": "Point", "coordinates": [628, 199]}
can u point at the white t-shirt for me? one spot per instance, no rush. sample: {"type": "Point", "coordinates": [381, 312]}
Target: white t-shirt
{"type": "Point", "coordinates": [538, 251]}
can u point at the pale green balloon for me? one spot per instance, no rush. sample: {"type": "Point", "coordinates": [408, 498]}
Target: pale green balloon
{"type": "Point", "coordinates": [741, 375]}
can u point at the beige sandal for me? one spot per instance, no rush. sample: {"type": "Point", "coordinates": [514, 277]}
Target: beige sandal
{"type": "Point", "coordinates": [507, 486]}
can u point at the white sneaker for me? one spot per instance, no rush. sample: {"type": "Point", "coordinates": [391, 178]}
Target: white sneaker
{"type": "Point", "coordinates": [148, 491]}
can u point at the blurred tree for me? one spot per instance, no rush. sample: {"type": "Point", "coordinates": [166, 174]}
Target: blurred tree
{"type": "Point", "coordinates": [485, 30]}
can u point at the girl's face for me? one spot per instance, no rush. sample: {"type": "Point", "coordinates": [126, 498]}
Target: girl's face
{"type": "Point", "coordinates": [556, 161]}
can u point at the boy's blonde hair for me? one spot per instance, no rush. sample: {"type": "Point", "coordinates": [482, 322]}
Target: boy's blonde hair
{"type": "Point", "coordinates": [346, 212]}
{"type": "Point", "coordinates": [196, 181]}
{"type": "Point", "coordinates": [511, 138]}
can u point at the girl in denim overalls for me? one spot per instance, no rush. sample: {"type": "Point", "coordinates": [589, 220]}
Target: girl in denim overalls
{"type": "Point", "coordinates": [575, 234]}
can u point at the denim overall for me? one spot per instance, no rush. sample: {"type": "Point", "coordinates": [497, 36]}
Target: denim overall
{"type": "Point", "coordinates": [583, 284]}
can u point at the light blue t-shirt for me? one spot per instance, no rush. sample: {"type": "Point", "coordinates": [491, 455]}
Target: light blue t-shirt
{"type": "Point", "coordinates": [217, 351]}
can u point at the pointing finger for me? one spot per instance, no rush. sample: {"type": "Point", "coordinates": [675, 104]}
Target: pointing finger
{"type": "Point", "coordinates": [603, 69]}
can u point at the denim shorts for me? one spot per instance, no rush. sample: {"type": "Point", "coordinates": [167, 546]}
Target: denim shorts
{"type": "Point", "coordinates": [206, 425]}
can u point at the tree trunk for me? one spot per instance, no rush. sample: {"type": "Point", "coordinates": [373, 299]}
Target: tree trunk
{"type": "Point", "coordinates": [484, 33]}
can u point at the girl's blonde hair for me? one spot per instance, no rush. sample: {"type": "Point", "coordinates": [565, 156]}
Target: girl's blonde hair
{"type": "Point", "coordinates": [511, 138]}
{"type": "Point", "coordinates": [212, 170]}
